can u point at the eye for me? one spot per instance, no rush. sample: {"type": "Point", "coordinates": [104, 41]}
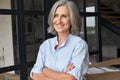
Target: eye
{"type": "Point", "coordinates": [64, 16]}
{"type": "Point", "coordinates": [55, 15]}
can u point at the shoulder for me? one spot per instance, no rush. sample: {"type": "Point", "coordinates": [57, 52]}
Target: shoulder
{"type": "Point", "coordinates": [78, 39]}
{"type": "Point", "coordinates": [78, 42]}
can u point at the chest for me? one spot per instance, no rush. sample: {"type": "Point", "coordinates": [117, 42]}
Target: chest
{"type": "Point", "coordinates": [58, 59]}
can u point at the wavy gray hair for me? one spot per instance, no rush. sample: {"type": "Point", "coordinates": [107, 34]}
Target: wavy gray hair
{"type": "Point", "coordinates": [74, 16]}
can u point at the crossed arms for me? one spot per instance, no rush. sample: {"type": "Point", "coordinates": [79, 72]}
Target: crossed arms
{"type": "Point", "coordinates": [49, 74]}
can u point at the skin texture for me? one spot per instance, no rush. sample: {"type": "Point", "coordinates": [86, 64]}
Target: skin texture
{"type": "Point", "coordinates": [49, 74]}
{"type": "Point", "coordinates": [61, 23]}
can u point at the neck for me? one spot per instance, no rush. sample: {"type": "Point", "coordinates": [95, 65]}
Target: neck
{"type": "Point", "coordinates": [62, 37]}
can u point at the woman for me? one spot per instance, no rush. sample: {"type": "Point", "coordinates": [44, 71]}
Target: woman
{"type": "Point", "coordinates": [65, 56]}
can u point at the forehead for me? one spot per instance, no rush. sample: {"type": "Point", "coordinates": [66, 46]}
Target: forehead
{"type": "Point", "coordinates": [62, 9]}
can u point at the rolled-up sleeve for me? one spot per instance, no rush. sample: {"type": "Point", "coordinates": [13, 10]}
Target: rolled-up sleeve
{"type": "Point", "coordinates": [38, 66]}
{"type": "Point", "coordinates": [80, 60]}
{"type": "Point", "coordinates": [75, 72]}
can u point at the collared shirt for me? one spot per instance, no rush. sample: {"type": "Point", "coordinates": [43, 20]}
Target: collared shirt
{"type": "Point", "coordinates": [73, 50]}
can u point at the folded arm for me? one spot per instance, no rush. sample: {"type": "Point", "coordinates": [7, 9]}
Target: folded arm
{"type": "Point", "coordinates": [57, 75]}
{"type": "Point", "coordinates": [40, 76]}
{"type": "Point", "coordinates": [49, 74]}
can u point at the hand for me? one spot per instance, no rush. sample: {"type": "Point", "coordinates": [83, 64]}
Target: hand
{"type": "Point", "coordinates": [69, 67]}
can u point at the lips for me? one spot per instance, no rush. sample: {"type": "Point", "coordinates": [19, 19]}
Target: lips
{"type": "Point", "coordinates": [59, 26]}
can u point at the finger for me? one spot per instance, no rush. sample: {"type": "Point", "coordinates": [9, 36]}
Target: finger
{"type": "Point", "coordinates": [71, 66]}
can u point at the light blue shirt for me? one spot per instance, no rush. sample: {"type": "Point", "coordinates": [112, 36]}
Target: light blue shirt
{"type": "Point", "coordinates": [73, 50]}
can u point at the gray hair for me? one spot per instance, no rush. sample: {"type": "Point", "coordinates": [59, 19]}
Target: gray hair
{"type": "Point", "coordinates": [74, 15]}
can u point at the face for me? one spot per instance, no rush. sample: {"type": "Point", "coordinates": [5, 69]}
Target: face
{"type": "Point", "coordinates": [61, 20]}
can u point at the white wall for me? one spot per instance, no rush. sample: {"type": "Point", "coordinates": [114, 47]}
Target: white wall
{"type": "Point", "coordinates": [5, 4]}
{"type": "Point", "coordinates": [6, 42]}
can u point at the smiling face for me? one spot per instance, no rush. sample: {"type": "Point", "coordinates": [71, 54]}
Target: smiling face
{"type": "Point", "coordinates": [61, 20]}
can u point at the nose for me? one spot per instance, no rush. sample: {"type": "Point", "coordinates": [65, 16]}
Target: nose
{"type": "Point", "coordinates": [58, 20]}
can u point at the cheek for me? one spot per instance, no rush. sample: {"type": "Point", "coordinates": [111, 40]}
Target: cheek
{"type": "Point", "coordinates": [53, 21]}
{"type": "Point", "coordinates": [68, 22]}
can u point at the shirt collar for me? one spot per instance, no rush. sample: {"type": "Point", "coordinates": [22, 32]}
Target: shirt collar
{"type": "Point", "coordinates": [64, 43]}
